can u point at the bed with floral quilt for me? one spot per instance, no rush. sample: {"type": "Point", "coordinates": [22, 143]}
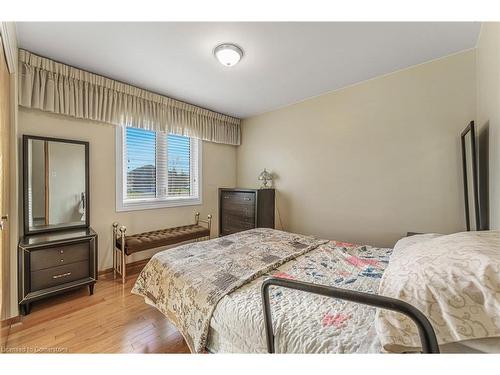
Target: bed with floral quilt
{"type": "Point", "coordinates": [211, 291]}
{"type": "Point", "coordinates": [304, 322]}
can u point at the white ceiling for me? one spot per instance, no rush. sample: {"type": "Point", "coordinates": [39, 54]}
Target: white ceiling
{"type": "Point", "coordinates": [283, 63]}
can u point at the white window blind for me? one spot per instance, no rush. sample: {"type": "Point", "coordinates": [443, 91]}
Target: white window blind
{"type": "Point", "coordinates": [140, 155]}
{"type": "Point", "coordinates": [158, 170]}
{"type": "Point", "coordinates": [179, 165]}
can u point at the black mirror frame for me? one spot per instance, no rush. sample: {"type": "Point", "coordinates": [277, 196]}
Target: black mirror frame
{"type": "Point", "coordinates": [26, 227]}
{"type": "Point", "coordinates": [472, 129]}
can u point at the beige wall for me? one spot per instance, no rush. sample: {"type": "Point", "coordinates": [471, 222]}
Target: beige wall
{"type": "Point", "coordinates": [372, 161]}
{"type": "Point", "coordinates": [488, 108]}
{"type": "Point", "coordinates": [219, 169]}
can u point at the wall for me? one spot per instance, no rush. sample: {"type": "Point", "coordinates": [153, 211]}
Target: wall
{"type": "Point", "coordinates": [488, 109]}
{"type": "Point", "coordinates": [219, 169]}
{"type": "Point", "coordinates": [372, 161]}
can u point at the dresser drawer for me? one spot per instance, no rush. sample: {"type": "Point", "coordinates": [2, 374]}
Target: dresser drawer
{"type": "Point", "coordinates": [238, 210]}
{"type": "Point", "coordinates": [233, 223]}
{"type": "Point", "coordinates": [49, 277]}
{"type": "Point", "coordinates": [59, 255]}
{"type": "Point", "coordinates": [235, 229]}
{"type": "Point", "coordinates": [239, 198]}
{"type": "Point", "coordinates": [229, 217]}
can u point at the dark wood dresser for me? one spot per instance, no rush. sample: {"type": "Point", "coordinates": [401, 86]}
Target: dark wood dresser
{"type": "Point", "coordinates": [242, 209]}
{"type": "Point", "coordinates": [55, 262]}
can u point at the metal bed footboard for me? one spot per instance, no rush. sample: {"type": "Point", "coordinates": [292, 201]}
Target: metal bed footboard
{"type": "Point", "coordinates": [426, 332]}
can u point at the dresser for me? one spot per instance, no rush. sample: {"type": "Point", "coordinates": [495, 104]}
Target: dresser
{"type": "Point", "coordinates": [56, 262]}
{"type": "Point", "coordinates": [243, 209]}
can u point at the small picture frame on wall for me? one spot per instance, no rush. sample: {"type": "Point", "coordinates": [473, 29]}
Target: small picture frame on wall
{"type": "Point", "coordinates": [470, 177]}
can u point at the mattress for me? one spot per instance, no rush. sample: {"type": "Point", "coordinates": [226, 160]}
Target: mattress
{"type": "Point", "coordinates": [303, 322]}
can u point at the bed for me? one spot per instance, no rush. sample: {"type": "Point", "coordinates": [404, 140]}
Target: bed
{"type": "Point", "coordinates": [318, 324]}
{"type": "Point", "coordinates": [212, 292]}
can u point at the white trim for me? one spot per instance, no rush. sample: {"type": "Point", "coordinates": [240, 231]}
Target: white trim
{"type": "Point", "coordinates": [147, 204]}
{"type": "Point", "coordinates": [9, 40]}
{"type": "Point", "coordinates": [159, 203]}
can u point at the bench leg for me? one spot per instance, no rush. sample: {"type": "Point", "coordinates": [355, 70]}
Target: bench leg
{"type": "Point", "coordinates": [123, 255]}
{"type": "Point", "coordinates": [113, 247]}
{"type": "Point", "coordinates": [124, 266]}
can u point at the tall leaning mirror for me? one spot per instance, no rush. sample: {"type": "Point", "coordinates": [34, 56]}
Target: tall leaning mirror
{"type": "Point", "coordinates": [470, 177]}
{"type": "Point", "coordinates": [55, 184]}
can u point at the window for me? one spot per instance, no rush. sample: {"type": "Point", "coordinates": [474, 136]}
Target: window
{"type": "Point", "coordinates": [156, 169]}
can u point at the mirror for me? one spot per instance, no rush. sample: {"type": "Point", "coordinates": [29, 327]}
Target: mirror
{"type": "Point", "coordinates": [469, 165]}
{"type": "Point", "coordinates": [55, 184]}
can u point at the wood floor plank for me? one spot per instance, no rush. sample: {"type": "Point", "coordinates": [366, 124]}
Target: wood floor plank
{"type": "Point", "coordinates": [113, 320]}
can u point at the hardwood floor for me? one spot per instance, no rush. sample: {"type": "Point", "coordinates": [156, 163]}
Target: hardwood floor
{"type": "Point", "coordinates": [111, 321]}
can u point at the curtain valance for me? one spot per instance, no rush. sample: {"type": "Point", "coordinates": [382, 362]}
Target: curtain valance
{"type": "Point", "coordinates": [55, 87]}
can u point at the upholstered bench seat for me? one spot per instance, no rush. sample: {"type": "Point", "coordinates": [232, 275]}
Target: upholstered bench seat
{"type": "Point", "coordinates": [154, 239]}
{"type": "Point", "coordinates": [162, 237]}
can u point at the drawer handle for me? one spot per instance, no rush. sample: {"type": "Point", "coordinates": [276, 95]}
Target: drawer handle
{"type": "Point", "coordinates": [247, 199]}
{"type": "Point", "coordinates": [61, 275]}
{"type": "Point", "coordinates": [61, 251]}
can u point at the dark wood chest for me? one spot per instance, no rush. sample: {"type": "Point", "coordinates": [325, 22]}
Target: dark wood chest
{"type": "Point", "coordinates": [53, 263]}
{"type": "Point", "coordinates": [243, 209]}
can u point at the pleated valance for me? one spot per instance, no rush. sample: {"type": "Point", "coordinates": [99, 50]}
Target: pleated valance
{"type": "Point", "coordinates": [55, 87]}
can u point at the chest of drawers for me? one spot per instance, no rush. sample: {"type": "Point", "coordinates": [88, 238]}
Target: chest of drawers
{"type": "Point", "coordinates": [56, 262]}
{"type": "Point", "coordinates": [243, 209]}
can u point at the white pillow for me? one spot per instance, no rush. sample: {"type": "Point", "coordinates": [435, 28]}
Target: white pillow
{"type": "Point", "coordinates": [453, 279]}
{"type": "Point", "coordinates": [411, 240]}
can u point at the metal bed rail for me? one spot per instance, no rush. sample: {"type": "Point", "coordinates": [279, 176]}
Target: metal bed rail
{"type": "Point", "coordinates": [426, 332]}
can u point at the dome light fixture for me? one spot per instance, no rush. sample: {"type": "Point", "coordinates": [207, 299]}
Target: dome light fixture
{"type": "Point", "coordinates": [228, 54]}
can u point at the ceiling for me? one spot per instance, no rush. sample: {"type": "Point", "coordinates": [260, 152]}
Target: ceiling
{"type": "Point", "coordinates": [283, 62]}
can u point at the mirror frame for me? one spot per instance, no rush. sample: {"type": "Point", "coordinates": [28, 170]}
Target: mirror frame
{"type": "Point", "coordinates": [472, 130]}
{"type": "Point", "coordinates": [27, 230]}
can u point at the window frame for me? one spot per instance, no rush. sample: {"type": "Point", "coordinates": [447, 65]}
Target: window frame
{"type": "Point", "coordinates": [152, 203]}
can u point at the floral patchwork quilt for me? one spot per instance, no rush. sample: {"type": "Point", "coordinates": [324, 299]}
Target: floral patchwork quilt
{"type": "Point", "coordinates": [187, 282]}
{"type": "Point", "coordinates": [303, 322]}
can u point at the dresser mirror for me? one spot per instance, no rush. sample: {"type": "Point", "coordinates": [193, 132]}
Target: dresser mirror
{"type": "Point", "coordinates": [55, 184]}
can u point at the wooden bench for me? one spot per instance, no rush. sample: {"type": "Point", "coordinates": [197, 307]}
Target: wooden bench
{"type": "Point", "coordinates": [123, 245]}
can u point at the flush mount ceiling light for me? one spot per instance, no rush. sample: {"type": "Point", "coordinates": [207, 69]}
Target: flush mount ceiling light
{"type": "Point", "coordinates": [228, 54]}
